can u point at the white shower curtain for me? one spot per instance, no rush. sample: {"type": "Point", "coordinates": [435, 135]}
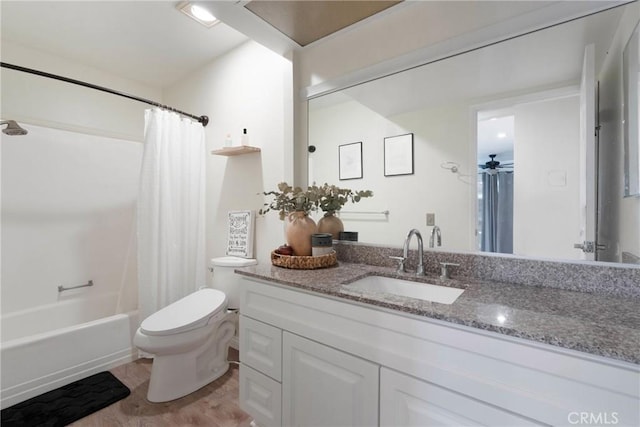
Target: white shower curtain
{"type": "Point", "coordinates": [171, 259]}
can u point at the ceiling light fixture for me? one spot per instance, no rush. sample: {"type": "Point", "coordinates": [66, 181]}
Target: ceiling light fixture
{"type": "Point", "coordinates": [197, 13]}
{"type": "Point", "coordinates": [502, 135]}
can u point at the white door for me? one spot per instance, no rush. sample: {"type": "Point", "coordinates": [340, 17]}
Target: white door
{"type": "Point", "coordinates": [322, 386]}
{"type": "Point", "coordinates": [588, 157]}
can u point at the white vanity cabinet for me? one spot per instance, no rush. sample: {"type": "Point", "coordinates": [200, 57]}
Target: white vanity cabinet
{"type": "Point", "coordinates": [344, 363]}
{"type": "Point", "coordinates": [292, 381]}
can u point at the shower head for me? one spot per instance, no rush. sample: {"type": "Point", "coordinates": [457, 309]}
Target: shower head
{"type": "Point", "coordinates": [13, 128]}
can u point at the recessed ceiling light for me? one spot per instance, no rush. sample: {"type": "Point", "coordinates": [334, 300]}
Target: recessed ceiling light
{"type": "Point", "coordinates": [197, 13]}
{"type": "Point", "coordinates": [502, 135]}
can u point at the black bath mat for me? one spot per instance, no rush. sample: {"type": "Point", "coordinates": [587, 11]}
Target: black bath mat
{"type": "Point", "coordinates": [66, 404]}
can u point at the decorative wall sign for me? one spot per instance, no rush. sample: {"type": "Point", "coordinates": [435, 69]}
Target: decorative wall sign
{"type": "Point", "coordinates": [398, 155]}
{"type": "Point", "coordinates": [350, 160]}
{"type": "Point", "coordinates": [240, 238]}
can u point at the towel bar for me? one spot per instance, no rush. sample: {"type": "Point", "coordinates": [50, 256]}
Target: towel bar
{"type": "Point", "coordinates": [62, 288]}
{"type": "Point", "coordinates": [365, 212]}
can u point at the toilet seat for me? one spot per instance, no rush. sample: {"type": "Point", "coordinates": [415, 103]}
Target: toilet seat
{"type": "Point", "coordinates": [190, 312]}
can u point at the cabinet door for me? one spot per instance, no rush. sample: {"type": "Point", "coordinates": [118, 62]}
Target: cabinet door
{"type": "Point", "coordinates": [322, 386]}
{"type": "Point", "coordinates": [407, 401]}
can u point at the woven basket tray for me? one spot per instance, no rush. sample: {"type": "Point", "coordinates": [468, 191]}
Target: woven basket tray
{"type": "Point", "coordinates": [303, 262]}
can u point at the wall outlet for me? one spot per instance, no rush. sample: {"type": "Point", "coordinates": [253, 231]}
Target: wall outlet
{"type": "Point", "coordinates": [431, 219]}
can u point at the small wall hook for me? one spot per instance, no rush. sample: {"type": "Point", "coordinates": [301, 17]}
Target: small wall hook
{"type": "Point", "coordinates": [452, 166]}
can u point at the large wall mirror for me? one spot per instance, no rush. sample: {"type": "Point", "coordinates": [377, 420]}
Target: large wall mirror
{"type": "Point", "coordinates": [506, 155]}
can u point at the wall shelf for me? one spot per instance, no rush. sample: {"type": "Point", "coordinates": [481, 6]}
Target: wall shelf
{"type": "Point", "coordinates": [236, 151]}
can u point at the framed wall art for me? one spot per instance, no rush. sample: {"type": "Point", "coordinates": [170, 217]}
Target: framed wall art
{"type": "Point", "coordinates": [350, 161]}
{"type": "Point", "coordinates": [240, 234]}
{"type": "Point", "coordinates": [398, 155]}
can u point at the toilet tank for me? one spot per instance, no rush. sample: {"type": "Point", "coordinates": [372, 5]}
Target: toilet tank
{"type": "Point", "coordinates": [225, 279]}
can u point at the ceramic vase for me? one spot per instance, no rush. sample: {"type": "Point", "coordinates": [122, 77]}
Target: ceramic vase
{"type": "Point", "coordinates": [331, 224]}
{"type": "Point", "coordinates": [298, 232]}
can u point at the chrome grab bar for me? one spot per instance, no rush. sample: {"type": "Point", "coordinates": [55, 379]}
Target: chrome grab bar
{"type": "Point", "coordinates": [62, 288]}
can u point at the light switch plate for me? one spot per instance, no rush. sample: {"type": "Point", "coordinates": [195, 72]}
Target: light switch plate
{"type": "Point", "coordinates": [431, 219]}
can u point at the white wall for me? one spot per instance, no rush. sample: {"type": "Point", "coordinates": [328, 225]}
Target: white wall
{"type": "Point", "coordinates": [546, 201]}
{"type": "Point", "coordinates": [546, 206]}
{"type": "Point", "coordinates": [440, 135]}
{"type": "Point", "coordinates": [38, 100]}
{"type": "Point", "coordinates": [249, 87]}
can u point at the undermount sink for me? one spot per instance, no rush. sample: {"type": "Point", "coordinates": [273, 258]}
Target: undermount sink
{"type": "Point", "coordinates": [405, 288]}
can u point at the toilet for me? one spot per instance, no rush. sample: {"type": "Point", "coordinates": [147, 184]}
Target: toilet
{"type": "Point", "coordinates": [190, 338]}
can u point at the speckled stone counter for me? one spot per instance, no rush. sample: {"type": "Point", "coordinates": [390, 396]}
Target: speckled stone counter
{"type": "Point", "coordinates": [598, 324]}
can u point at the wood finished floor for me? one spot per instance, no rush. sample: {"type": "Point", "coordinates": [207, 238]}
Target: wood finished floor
{"type": "Point", "coordinates": [215, 405]}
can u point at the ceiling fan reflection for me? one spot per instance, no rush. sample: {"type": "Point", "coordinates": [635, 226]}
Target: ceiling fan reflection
{"type": "Point", "coordinates": [494, 166]}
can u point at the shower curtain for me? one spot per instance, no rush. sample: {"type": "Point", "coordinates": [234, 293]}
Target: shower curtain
{"type": "Point", "coordinates": [171, 258]}
{"type": "Point", "coordinates": [497, 212]}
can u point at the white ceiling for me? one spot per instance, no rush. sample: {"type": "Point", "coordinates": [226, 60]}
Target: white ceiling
{"type": "Point", "coordinates": [146, 41]}
{"type": "Point", "coordinates": [545, 59]}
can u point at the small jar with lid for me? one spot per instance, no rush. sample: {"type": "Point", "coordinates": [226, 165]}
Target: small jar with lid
{"type": "Point", "coordinates": [321, 244]}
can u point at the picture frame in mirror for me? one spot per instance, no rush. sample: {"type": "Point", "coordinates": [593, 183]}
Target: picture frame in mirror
{"type": "Point", "coordinates": [350, 161]}
{"type": "Point", "coordinates": [398, 155]}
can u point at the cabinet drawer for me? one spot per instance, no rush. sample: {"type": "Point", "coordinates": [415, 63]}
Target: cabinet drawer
{"type": "Point", "coordinates": [261, 397]}
{"type": "Point", "coordinates": [407, 401]}
{"type": "Point", "coordinates": [261, 347]}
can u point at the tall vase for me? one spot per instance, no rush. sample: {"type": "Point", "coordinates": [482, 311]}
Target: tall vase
{"type": "Point", "coordinates": [331, 224]}
{"type": "Point", "coordinates": [298, 232]}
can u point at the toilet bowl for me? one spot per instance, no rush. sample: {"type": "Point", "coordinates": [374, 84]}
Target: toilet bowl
{"type": "Point", "coordinates": [189, 340]}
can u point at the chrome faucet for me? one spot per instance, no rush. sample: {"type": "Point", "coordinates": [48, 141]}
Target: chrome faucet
{"type": "Point", "coordinates": [405, 251]}
{"type": "Point", "coordinates": [435, 233]}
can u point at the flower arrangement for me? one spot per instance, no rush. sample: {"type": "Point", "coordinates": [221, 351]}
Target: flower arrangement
{"type": "Point", "coordinates": [289, 199]}
{"type": "Point", "coordinates": [328, 198]}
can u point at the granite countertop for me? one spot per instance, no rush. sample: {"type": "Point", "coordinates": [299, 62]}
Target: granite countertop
{"type": "Point", "coordinates": [601, 325]}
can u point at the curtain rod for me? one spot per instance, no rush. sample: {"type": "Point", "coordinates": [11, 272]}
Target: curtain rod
{"type": "Point", "coordinates": [201, 119]}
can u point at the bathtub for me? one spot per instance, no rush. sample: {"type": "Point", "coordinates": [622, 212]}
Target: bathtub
{"type": "Point", "coordinates": [49, 346]}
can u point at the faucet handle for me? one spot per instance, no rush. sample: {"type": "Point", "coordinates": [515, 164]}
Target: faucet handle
{"type": "Point", "coordinates": [401, 261]}
{"type": "Point", "coordinates": [444, 269]}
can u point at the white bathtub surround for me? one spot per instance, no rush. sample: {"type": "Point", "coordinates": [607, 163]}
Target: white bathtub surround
{"type": "Point", "coordinates": [171, 261]}
{"type": "Point", "coordinates": [68, 216]}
